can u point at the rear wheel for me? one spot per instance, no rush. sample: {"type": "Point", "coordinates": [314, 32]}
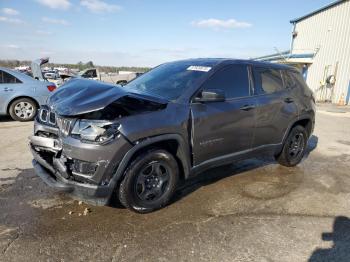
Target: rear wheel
{"type": "Point", "coordinates": [294, 147]}
{"type": "Point", "coordinates": [149, 182]}
{"type": "Point", "coordinates": [23, 109]}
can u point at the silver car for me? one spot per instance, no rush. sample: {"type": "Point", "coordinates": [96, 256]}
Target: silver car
{"type": "Point", "coordinates": [21, 95]}
{"type": "Point", "coordinates": [51, 75]}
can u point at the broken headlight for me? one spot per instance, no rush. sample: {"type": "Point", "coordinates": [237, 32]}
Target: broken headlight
{"type": "Point", "coordinates": [94, 131]}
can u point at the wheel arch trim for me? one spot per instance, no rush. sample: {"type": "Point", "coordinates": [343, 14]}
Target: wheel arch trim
{"type": "Point", "coordinates": [20, 97]}
{"type": "Point", "coordinates": [301, 118]}
{"type": "Point", "coordinates": [183, 154]}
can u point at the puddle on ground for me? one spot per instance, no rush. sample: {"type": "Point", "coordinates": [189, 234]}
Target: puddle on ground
{"type": "Point", "coordinates": [272, 183]}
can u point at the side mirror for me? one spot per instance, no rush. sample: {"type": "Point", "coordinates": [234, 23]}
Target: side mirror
{"type": "Point", "coordinates": [210, 95]}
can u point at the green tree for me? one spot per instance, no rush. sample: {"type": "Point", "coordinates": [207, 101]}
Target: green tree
{"type": "Point", "coordinates": [89, 64]}
{"type": "Point", "coordinates": [80, 65]}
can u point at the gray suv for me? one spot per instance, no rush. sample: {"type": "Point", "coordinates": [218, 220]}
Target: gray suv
{"type": "Point", "coordinates": [135, 143]}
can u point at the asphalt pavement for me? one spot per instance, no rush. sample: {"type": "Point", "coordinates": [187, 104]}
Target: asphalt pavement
{"type": "Point", "coordinates": [253, 210]}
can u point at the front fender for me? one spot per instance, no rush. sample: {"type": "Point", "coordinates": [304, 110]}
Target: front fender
{"type": "Point", "coordinates": [183, 153]}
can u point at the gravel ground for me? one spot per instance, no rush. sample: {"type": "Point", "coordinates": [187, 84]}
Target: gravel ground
{"type": "Point", "coordinates": [254, 210]}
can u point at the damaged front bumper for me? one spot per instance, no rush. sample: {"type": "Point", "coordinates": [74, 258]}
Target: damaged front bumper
{"type": "Point", "coordinates": [84, 170]}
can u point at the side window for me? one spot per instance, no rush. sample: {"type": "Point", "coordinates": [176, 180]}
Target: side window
{"type": "Point", "coordinates": [90, 73]}
{"type": "Point", "coordinates": [232, 79]}
{"type": "Point", "coordinates": [6, 78]}
{"type": "Point", "coordinates": [289, 81]}
{"type": "Point", "coordinates": [94, 74]}
{"type": "Point", "coordinates": [267, 81]}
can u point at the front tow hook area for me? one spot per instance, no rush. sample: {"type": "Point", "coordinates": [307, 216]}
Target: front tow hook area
{"type": "Point", "coordinates": [45, 144]}
{"type": "Point", "coordinates": [50, 181]}
{"type": "Point", "coordinates": [49, 144]}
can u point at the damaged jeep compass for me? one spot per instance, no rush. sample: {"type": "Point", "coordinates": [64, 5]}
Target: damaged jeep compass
{"type": "Point", "coordinates": [137, 142]}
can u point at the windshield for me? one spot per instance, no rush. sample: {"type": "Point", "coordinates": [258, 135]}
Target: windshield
{"type": "Point", "coordinates": [168, 81]}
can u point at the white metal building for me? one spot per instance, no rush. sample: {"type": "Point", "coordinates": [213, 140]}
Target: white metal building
{"type": "Point", "coordinates": [320, 47]}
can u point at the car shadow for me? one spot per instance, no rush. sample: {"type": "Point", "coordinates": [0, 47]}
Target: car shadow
{"type": "Point", "coordinates": [8, 119]}
{"type": "Point", "coordinates": [216, 174]}
{"type": "Point", "coordinates": [5, 119]}
{"type": "Point", "coordinates": [340, 251]}
{"type": "Point", "coordinates": [311, 146]}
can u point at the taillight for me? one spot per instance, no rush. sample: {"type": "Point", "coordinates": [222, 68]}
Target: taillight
{"type": "Point", "coordinates": [51, 88]}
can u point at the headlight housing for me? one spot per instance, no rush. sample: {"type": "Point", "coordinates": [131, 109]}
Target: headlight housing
{"type": "Point", "coordinates": [95, 131]}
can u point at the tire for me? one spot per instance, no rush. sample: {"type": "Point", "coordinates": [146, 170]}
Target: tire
{"type": "Point", "coordinates": [23, 109]}
{"type": "Point", "coordinates": [294, 147]}
{"type": "Point", "coordinates": [149, 182]}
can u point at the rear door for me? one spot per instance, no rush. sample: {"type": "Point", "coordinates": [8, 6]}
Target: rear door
{"type": "Point", "coordinates": [276, 107]}
{"type": "Point", "coordinates": [300, 92]}
{"type": "Point", "coordinates": [9, 85]}
{"type": "Point", "coordinates": [223, 128]}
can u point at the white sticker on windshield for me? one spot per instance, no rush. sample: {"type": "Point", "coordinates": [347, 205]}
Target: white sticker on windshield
{"type": "Point", "coordinates": [199, 68]}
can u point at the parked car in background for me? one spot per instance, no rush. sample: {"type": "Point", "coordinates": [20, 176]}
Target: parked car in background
{"type": "Point", "coordinates": [120, 78]}
{"type": "Point", "coordinates": [21, 95]}
{"type": "Point", "coordinates": [37, 71]}
{"type": "Point", "coordinates": [90, 73]}
{"type": "Point", "coordinates": [135, 143]}
{"type": "Point", "coordinates": [52, 75]}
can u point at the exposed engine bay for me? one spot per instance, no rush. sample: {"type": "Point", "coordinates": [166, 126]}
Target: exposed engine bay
{"type": "Point", "coordinates": [122, 107]}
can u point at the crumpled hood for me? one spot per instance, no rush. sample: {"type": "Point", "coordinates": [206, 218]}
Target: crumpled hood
{"type": "Point", "coordinates": [80, 96]}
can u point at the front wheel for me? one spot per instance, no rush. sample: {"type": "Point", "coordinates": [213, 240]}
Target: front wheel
{"type": "Point", "coordinates": [294, 147]}
{"type": "Point", "coordinates": [23, 109]}
{"type": "Point", "coordinates": [149, 182]}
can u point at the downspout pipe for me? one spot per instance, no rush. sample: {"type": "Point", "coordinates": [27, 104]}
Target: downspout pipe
{"type": "Point", "coordinates": [292, 40]}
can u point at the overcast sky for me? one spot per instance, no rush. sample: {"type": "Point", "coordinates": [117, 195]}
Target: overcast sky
{"type": "Point", "coordinates": [146, 33]}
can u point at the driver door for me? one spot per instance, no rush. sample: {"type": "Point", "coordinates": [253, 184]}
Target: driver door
{"type": "Point", "coordinates": [220, 129]}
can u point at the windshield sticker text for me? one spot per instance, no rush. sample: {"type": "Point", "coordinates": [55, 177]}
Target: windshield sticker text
{"type": "Point", "coordinates": [199, 68]}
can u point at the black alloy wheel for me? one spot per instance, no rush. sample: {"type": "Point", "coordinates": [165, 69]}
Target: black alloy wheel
{"type": "Point", "coordinates": [149, 181]}
{"type": "Point", "coordinates": [152, 181]}
{"type": "Point", "coordinates": [294, 147]}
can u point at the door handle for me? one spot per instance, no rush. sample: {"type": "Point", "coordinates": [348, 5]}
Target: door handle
{"type": "Point", "coordinates": [289, 100]}
{"type": "Point", "coordinates": [247, 107]}
{"type": "Point", "coordinates": [6, 89]}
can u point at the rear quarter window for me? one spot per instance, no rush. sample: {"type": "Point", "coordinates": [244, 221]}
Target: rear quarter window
{"type": "Point", "coordinates": [289, 80]}
{"type": "Point", "coordinates": [299, 80]}
{"type": "Point", "coordinates": [267, 80]}
{"type": "Point", "coordinates": [6, 78]}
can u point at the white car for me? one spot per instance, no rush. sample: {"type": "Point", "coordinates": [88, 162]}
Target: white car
{"type": "Point", "coordinates": [51, 75]}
